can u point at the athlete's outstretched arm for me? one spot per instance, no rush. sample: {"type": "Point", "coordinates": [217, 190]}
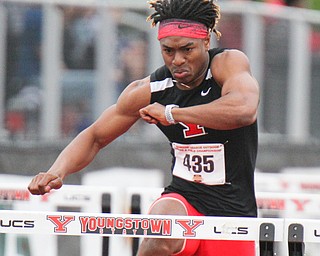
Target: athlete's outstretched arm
{"type": "Point", "coordinates": [113, 122]}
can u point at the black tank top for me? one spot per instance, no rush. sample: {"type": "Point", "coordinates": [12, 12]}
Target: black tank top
{"type": "Point", "coordinates": [234, 198]}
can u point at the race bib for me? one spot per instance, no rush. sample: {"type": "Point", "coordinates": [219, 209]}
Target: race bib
{"type": "Point", "coordinates": [201, 163]}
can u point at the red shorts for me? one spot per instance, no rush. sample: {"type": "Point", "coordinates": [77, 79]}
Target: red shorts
{"type": "Point", "coordinates": [194, 247]}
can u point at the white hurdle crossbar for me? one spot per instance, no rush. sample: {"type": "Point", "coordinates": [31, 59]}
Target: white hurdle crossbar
{"type": "Point", "coordinates": [138, 225]}
{"type": "Point", "coordinates": [266, 231]}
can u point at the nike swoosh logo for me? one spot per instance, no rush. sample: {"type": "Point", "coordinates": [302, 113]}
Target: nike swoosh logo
{"type": "Point", "coordinates": [203, 93]}
{"type": "Point", "coordinates": [180, 26]}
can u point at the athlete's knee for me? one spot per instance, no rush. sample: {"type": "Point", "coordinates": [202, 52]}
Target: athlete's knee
{"type": "Point", "coordinates": [163, 246]}
{"type": "Point", "coordinates": [160, 247]}
{"type": "Point", "coordinates": [168, 206]}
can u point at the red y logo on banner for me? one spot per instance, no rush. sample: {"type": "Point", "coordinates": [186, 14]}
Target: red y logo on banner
{"type": "Point", "coordinates": [300, 204]}
{"type": "Point", "coordinates": [60, 222]}
{"type": "Point", "coordinates": [189, 226]}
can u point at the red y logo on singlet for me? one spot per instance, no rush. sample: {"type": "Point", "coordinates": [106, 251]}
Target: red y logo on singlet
{"type": "Point", "coordinates": [189, 226]}
{"type": "Point", "coordinates": [193, 130]}
{"type": "Point", "coordinates": [60, 222]}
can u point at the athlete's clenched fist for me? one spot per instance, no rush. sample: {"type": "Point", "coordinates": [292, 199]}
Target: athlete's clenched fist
{"type": "Point", "coordinates": [43, 183]}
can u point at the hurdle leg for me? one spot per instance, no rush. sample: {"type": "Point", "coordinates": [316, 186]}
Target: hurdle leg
{"type": "Point", "coordinates": [135, 209]}
{"type": "Point", "coordinates": [295, 240]}
{"type": "Point", "coordinates": [266, 239]}
{"type": "Point", "coordinates": [106, 208]}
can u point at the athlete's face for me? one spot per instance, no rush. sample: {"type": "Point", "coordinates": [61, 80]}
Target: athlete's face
{"type": "Point", "coordinates": [186, 58]}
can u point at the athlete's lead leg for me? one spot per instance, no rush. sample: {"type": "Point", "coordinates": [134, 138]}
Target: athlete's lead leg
{"type": "Point", "coordinates": [162, 246]}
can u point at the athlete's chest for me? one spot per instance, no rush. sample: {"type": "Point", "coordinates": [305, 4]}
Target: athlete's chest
{"type": "Point", "coordinates": [207, 92]}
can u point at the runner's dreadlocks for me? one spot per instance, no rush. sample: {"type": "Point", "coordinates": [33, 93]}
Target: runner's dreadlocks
{"type": "Point", "coordinates": [203, 11]}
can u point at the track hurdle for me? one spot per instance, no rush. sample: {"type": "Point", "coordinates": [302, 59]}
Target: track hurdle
{"type": "Point", "coordinates": [294, 232]}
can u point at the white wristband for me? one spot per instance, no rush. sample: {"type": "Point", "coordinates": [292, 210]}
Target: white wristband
{"type": "Point", "coordinates": [168, 113]}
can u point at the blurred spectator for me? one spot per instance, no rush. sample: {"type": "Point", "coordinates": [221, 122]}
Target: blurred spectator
{"type": "Point", "coordinates": [315, 40]}
{"type": "Point", "coordinates": [132, 62]}
{"type": "Point", "coordinates": [293, 3]}
{"type": "Point", "coordinates": [23, 113]}
{"type": "Point", "coordinates": [315, 36]}
{"type": "Point", "coordinates": [23, 69]}
{"type": "Point", "coordinates": [23, 47]}
{"type": "Point", "coordinates": [75, 118]}
{"type": "Point", "coordinates": [231, 27]}
{"type": "Point", "coordinates": [15, 124]}
{"type": "Point", "coordinates": [69, 120]}
{"type": "Point", "coordinates": [79, 45]}
{"type": "Point", "coordinates": [80, 29]}
{"type": "Point", "coordinates": [14, 31]}
{"type": "Point", "coordinates": [276, 67]}
{"type": "Point", "coordinates": [276, 72]}
{"type": "Point", "coordinates": [231, 30]}
{"type": "Point", "coordinates": [30, 49]}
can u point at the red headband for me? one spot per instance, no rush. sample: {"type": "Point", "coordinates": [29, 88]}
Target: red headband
{"type": "Point", "coordinates": [184, 28]}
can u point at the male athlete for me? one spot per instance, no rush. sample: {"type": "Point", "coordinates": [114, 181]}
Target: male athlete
{"type": "Point", "coordinates": [205, 101]}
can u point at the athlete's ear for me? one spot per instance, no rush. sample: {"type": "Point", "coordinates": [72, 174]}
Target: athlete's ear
{"type": "Point", "coordinates": [207, 41]}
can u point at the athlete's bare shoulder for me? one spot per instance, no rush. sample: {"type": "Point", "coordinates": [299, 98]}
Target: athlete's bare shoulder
{"type": "Point", "coordinates": [135, 96]}
{"type": "Point", "coordinates": [228, 63]}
